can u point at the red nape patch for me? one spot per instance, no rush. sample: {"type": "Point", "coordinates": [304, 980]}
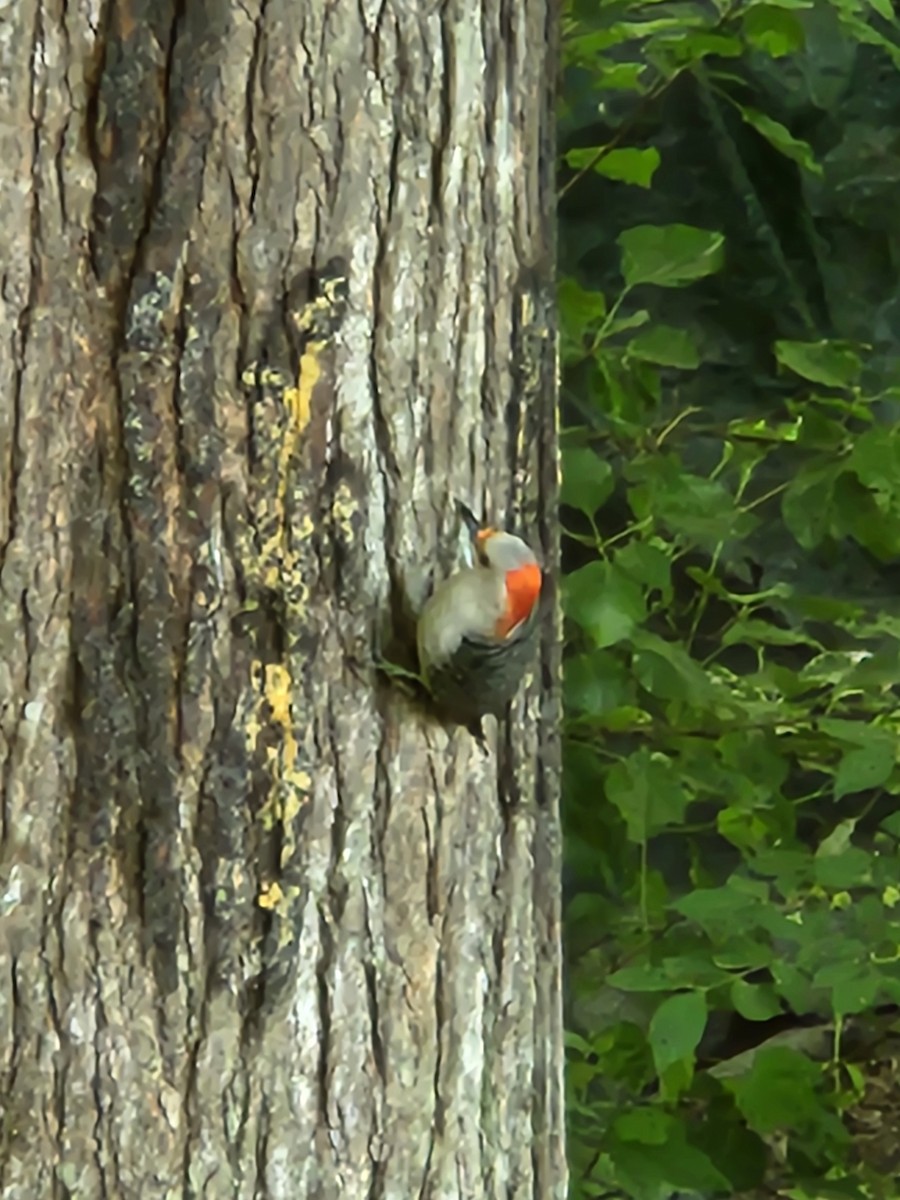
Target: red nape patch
{"type": "Point", "coordinates": [523, 586]}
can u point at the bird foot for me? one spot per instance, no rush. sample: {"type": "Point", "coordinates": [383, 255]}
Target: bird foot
{"type": "Point", "coordinates": [406, 680]}
{"type": "Point", "coordinates": [476, 730]}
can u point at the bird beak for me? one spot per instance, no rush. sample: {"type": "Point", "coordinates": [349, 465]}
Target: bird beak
{"type": "Point", "coordinates": [471, 522]}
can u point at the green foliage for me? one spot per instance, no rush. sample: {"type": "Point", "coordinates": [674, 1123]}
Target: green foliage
{"type": "Point", "coordinates": [731, 512]}
{"type": "Point", "coordinates": [668, 255]}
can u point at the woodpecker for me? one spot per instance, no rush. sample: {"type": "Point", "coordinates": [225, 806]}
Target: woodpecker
{"type": "Point", "coordinates": [477, 633]}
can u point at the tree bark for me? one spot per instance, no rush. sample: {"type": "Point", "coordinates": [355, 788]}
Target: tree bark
{"type": "Point", "coordinates": [274, 293]}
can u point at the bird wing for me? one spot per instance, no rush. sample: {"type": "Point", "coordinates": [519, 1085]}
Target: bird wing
{"type": "Point", "coordinates": [497, 664]}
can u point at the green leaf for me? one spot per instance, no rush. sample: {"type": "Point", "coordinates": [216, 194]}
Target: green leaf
{"type": "Point", "coordinates": [676, 1029]}
{"type": "Point", "coordinates": [849, 869]}
{"type": "Point", "coordinates": [752, 632]}
{"type": "Point", "coordinates": [592, 684]}
{"type": "Point", "coordinates": [794, 985]}
{"type": "Point", "coordinates": [743, 828]}
{"type": "Point", "coordinates": [575, 1042]}
{"type": "Point", "coordinates": [685, 971]}
{"type": "Point", "coordinates": [735, 1151]}
{"type": "Point", "coordinates": [673, 1083]}
{"type": "Point", "coordinates": [581, 157]}
{"type": "Point", "coordinates": [622, 324]}
{"type": "Point", "coordinates": [623, 718]}
{"type": "Point", "coordinates": [755, 1001]}
{"type": "Point", "coordinates": [779, 1091]}
{"type": "Point", "coordinates": [630, 165]}
{"type": "Point", "coordinates": [781, 139]}
{"type": "Point", "coordinates": [757, 757]}
{"type": "Point", "coordinates": [741, 952]}
{"type": "Point", "coordinates": [613, 76]}
{"type": "Point", "coordinates": [837, 841]}
{"type": "Point", "coordinates": [694, 971]}
{"type": "Point", "coordinates": [718, 909]}
{"type": "Point", "coordinates": [627, 165]}
{"type": "Point", "coordinates": [701, 509]}
{"type": "Point", "coordinates": [774, 30]}
{"type": "Point", "coordinates": [762, 430]}
{"type": "Point", "coordinates": [860, 30]}
{"type": "Point", "coordinates": [647, 977]}
{"type": "Point", "coordinates": [648, 564]}
{"type": "Point", "coordinates": [587, 479]}
{"type": "Point", "coordinates": [669, 255]}
{"type": "Point", "coordinates": [604, 602]}
{"type": "Point", "coordinates": [667, 671]}
{"type": "Point", "coordinates": [687, 49]}
{"type": "Point", "coordinates": [791, 868]}
{"type": "Point", "coordinates": [647, 1171]}
{"type": "Point", "coordinates": [855, 992]}
{"type": "Point", "coordinates": [580, 309]}
{"type": "Point", "coordinates": [829, 363]}
{"type": "Point", "coordinates": [679, 24]}
{"type": "Point", "coordinates": [647, 792]}
{"type": "Point", "coordinates": [665, 345]}
{"type": "Point", "coordinates": [875, 460]}
{"type": "Point", "coordinates": [651, 1126]}
{"type": "Point", "coordinates": [863, 769]}
{"type": "Point", "coordinates": [806, 505]}
{"type": "Point", "coordinates": [854, 733]}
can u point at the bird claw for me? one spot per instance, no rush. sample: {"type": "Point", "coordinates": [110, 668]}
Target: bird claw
{"type": "Point", "coordinates": [476, 729]}
{"type": "Point", "coordinates": [403, 677]}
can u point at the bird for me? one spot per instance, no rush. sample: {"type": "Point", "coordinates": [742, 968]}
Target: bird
{"type": "Point", "coordinates": [477, 634]}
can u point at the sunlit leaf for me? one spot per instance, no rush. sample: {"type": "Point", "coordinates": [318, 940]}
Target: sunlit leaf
{"type": "Point", "coordinates": [629, 164]}
{"type": "Point", "coordinates": [822, 362]}
{"type": "Point", "coordinates": [773, 29]}
{"type": "Point", "coordinates": [781, 139]}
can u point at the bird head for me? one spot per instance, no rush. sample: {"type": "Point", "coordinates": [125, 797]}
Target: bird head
{"type": "Point", "coordinates": [515, 561]}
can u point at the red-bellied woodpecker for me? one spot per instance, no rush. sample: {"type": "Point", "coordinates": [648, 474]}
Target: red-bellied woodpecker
{"type": "Point", "coordinates": [478, 631]}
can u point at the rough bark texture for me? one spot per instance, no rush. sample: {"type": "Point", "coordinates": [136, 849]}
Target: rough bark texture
{"type": "Point", "coordinates": [274, 290]}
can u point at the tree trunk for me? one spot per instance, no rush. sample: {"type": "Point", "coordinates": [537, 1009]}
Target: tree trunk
{"type": "Point", "coordinates": [274, 293]}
